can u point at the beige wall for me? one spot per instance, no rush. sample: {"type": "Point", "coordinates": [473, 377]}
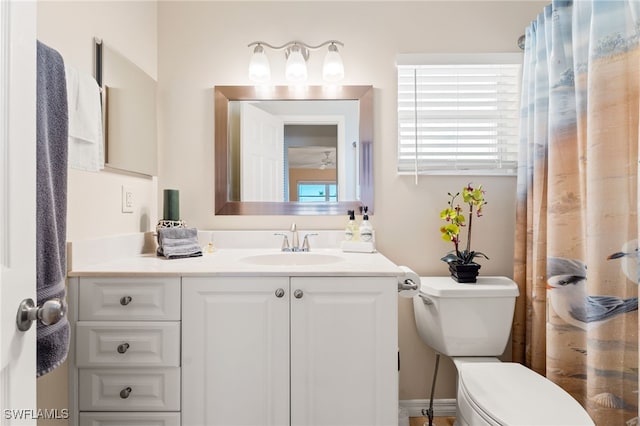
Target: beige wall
{"type": "Point", "coordinates": [193, 46]}
{"type": "Point", "coordinates": [203, 44]}
{"type": "Point", "coordinates": [94, 199]}
{"type": "Point", "coordinates": [129, 27]}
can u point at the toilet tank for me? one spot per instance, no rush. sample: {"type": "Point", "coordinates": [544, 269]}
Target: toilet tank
{"type": "Point", "coordinates": [465, 319]}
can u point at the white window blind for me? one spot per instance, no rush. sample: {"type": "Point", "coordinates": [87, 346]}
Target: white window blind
{"type": "Point", "coordinates": [458, 114]}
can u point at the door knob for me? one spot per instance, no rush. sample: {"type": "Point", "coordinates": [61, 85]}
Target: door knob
{"type": "Point", "coordinates": [280, 292]}
{"type": "Point", "coordinates": [298, 294]}
{"type": "Point", "coordinates": [49, 313]}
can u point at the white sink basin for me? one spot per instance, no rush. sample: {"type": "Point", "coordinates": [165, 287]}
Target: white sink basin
{"type": "Point", "coordinates": [292, 258]}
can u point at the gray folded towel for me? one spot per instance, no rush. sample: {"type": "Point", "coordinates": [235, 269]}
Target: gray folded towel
{"type": "Point", "coordinates": [51, 203]}
{"type": "Point", "coordinates": [176, 243]}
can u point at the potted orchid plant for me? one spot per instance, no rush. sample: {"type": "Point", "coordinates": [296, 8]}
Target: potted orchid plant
{"type": "Point", "coordinates": [461, 262]}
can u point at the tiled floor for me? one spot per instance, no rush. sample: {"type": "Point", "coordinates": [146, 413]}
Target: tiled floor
{"type": "Point", "coordinates": [437, 421]}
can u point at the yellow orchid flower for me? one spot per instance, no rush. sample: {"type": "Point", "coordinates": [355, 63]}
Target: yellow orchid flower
{"type": "Point", "coordinates": [474, 198]}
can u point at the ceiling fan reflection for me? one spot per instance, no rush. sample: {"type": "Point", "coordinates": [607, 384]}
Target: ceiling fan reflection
{"type": "Point", "coordinates": [327, 161]}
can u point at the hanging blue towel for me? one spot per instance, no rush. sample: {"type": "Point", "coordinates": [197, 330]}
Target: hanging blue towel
{"type": "Point", "coordinates": [51, 203]}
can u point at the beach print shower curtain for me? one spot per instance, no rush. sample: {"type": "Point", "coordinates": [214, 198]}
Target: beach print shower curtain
{"type": "Point", "coordinates": [577, 217]}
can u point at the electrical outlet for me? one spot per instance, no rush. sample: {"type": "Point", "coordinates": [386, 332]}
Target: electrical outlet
{"type": "Point", "coordinates": [127, 199]}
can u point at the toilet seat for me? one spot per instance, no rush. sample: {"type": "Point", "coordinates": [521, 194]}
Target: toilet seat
{"type": "Point", "coordinates": [507, 394]}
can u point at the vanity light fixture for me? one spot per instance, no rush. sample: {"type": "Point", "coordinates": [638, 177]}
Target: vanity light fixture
{"type": "Point", "coordinates": [295, 69]}
{"type": "Point", "coordinates": [332, 67]}
{"type": "Point", "coordinates": [296, 54]}
{"type": "Point", "coordinates": [259, 70]}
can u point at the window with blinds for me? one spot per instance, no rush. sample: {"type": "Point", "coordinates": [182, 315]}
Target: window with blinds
{"type": "Point", "coordinates": [458, 114]}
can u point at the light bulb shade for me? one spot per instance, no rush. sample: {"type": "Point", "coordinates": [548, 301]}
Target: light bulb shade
{"type": "Point", "coordinates": [332, 68]}
{"type": "Point", "coordinates": [296, 67]}
{"type": "Point", "coordinates": [259, 70]}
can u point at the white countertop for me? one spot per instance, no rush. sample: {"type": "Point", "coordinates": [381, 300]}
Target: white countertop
{"type": "Point", "coordinates": [230, 262]}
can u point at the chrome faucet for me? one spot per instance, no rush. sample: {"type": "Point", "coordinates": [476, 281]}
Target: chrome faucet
{"type": "Point", "coordinates": [295, 241]}
{"type": "Point", "coordinates": [285, 241]}
{"type": "Point", "coordinates": [305, 242]}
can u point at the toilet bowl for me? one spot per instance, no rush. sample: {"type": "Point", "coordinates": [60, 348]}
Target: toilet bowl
{"type": "Point", "coordinates": [471, 324]}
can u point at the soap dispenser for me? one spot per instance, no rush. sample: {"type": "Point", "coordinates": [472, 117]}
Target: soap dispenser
{"type": "Point", "coordinates": [351, 231]}
{"type": "Point", "coordinates": [366, 230]}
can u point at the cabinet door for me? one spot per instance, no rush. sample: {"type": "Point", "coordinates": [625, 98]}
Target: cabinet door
{"type": "Point", "coordinates": [235, 346]}
{"type": "Point", "coordinates": [344, 351]}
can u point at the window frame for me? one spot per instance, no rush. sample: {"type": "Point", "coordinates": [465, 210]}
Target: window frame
{"type": "Point", "coordinates": [503, 141]}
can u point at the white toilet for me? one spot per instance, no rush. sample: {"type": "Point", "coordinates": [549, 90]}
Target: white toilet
{"type": "Point", "coordinates": [471, 323]}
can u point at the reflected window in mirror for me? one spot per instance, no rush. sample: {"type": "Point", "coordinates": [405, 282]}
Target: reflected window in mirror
{"type": "Point", "coordinates": [310, 192]}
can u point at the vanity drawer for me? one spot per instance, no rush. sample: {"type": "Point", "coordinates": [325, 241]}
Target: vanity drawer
{"type": "Point", "coordinates": [127, 344]}
{"type": "Point", "coordinates": [126, 299]}
{"type": "Point", "coordinates": [122, 389]}
{"type": "Point", "coordinates": [129, 419]}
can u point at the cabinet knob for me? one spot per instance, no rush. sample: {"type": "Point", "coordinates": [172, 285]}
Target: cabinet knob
{"type": "Point", "coordinates": [125, 300]}
{"type": "Point", "coordinates": [123, 348]}
{"type": "Point", "coordinates": [280, 292]}
{"type": "Point", "coordinates": [124, 393]}
{"type": "Point", "coordinates": [298, 294]}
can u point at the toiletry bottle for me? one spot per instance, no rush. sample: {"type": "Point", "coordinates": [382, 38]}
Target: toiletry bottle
{"type": "Point", "coordinates": [348, 232]}
{"type": "Point", "coordinates": [366, 230]}
{"type": "Point", "coordinates": [355, 229]}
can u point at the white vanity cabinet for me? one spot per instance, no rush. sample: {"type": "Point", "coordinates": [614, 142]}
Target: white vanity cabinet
{"type": "Point", "coordinates": [125, 351]}
{"type": "Point", "coordinates": [289, 351]}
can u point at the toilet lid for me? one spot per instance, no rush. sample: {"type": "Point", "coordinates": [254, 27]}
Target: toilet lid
{"type": "Point", "coordinates": [446, 287]}
{"type": "Point", "coordinates": [511, 394]}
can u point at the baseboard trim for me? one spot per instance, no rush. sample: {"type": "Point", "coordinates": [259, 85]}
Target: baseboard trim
{"type": "Point", "coordinates": [441, 407]}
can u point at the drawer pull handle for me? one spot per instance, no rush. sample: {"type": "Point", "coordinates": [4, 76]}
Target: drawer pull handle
{"type": "Point", "coordinates": [123, 348]}
{"type": "Point", "coordinates": [124, 393]}
{"type": "Point", "coordinates": [280, 292]}
{"type": "Point", "coordinates": [125, 300]}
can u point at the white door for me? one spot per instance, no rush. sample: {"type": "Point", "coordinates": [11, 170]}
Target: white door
{"type": "Point", "coordinates": [17, 208]}
{"type": "Point", "coordinates": [235, 351]}
{"type": "Point", "coordinates": [344, 365]}
{"type": "Point", "coordinates": [261, 155]}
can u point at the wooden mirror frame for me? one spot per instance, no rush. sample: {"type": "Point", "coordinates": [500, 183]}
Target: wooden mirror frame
{"type": "Point", "coordinates": [224, 94]}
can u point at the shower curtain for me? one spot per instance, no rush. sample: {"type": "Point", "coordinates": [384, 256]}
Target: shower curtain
{"type": "Point", "coordinates": [577, 215]}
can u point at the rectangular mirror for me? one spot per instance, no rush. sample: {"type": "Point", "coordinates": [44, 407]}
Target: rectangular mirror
{"type": "Point", "coordinates": [284, 150]}
{"type": "Point", "coordinates": [129, 112]}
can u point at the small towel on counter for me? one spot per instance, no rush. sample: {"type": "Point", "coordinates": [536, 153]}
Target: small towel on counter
{"type": "Point", "coordinates": [176, 243]}
{"type": "Point", "coordinates": [86, 146]}
{"type": "Point", "coordinates": [52, 341]}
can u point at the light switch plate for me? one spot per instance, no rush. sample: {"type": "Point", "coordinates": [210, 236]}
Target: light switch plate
{"type": "Point", "coordinates": [127, 199]}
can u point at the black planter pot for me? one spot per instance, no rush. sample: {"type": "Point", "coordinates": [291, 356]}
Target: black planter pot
{"type": "Point", "coordinates": [464, 273]}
